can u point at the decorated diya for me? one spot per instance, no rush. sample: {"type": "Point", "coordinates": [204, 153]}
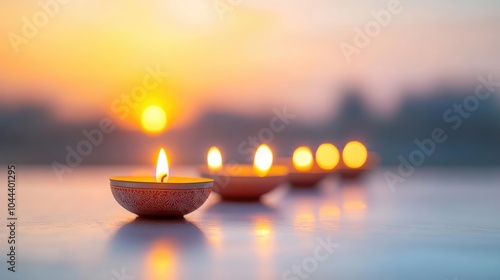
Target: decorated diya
{"type": "Point", "coordinates": [244, 181]}
{"type": "Point", "coordinates": [307, 171]}
{"type": "Point", "coordinates": [162, 196]}
{"type": "Point", "coordinates": [356, 160]}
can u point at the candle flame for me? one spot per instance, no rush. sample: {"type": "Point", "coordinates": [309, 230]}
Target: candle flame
{"type": "Point", "coordinates": [162, 167]}
{"type": "Point", "coordinates": [214, 159]}
{"type": "Point", "coordinates": [327, 156]}
{"type": "Point", "coordinates": [354, 154]}
{"type": "Point", "coordinates": [263, 160]}
{"type": "Point", "coordinates": [302, 159]}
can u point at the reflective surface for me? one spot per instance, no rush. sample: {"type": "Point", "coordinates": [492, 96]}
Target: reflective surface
{"type": "Point", "coordinates": [439, 224]}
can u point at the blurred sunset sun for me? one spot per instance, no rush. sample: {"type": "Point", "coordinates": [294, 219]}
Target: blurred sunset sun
{"type": "Point", "coordinates": [154, 119]}
{"type": "Point", "coordinates": [241, 59]}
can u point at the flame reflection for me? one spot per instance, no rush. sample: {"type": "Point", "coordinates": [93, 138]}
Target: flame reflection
{"type": "Point", "coordinates": [263, 230]}
{"type": "Point", "coordinates": [304, 217]}
{"type": "Point", "coordinates": [329, 211]}
{"type": "Point", "coordinates": [157, 248]}
{"type": "Point", "coordinates": [262, 227]}
{"type": "Point", "coordinates": [354, 203]}
{"type": "Point", "coordinates": [160, 262]}
{"type": "Point", "coordinates": [354, 206]}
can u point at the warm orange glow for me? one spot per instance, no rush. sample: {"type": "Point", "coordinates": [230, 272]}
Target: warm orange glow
{"type": "Point", "coordinates": [162, 167]}
{"type": "Point", "coordinates": [82, 52]}
{"type": "Point", "coordinates": [329, 211]}
{"type": "Point", "coordinates": [215, 236]}
{"type": "Point", "coordinates": [304, 220]}
{"type": "Point", "coordinates": [327, 156]}
{"type": "Point", "coordinates": [264, 246]}
{"type": "Point", "coordinates": [154, 119]}
{"type": "Point", "coordinates": [214, 159]}
{"type": "Point", "coordinates": [354, 154]}
{"type": "Point", "coordinates": [160, 263]}
{"type": "Point", "coordinates": [302, 159]}
{"type": "Point", "coordinates": [304, 217]}
{"type": "Point", "coordinates": [263, 160]}
{"type": "Point", "coordinates": [354, 205]}
{"type": "Point", "coordinates": [262, 227]}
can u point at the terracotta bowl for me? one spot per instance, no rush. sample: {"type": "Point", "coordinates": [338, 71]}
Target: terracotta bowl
{"type": "Point", "coordinates": [355, 173]}
{"type": "Point", "coordinates": [306, 179]}
{"type": "Point", "coordinates": [303, 179]}
{"type": "Point", "coordinates": [145, 197]}
{"type": "Point", "coordinates": [240, 182]}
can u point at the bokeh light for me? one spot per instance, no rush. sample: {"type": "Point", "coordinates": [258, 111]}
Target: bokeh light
{"type": "Point", "coordinates": [327, 156]}
{"type": "Point", "coordinates": [354, 154]}
{"type": "Point", "coordinates": [302, 159]}
{"type": "Point", "coordinates": [154, 119]}
{"type": "Point", "coordinates": [214, 159]}
{"type": "Point", "coordinates": [263, 160]}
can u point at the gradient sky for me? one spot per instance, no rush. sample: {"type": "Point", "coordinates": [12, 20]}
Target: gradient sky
{"type": "Point", "coordinates": [260, 54]}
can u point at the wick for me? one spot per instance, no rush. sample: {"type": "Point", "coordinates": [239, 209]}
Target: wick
{"type": "Point", "coordinates": [163, 177]}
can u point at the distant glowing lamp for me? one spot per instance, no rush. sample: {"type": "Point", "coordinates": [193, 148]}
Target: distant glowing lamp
{"type": "Point", "coordinates": [214, 159]}
{"type": "Point", "coordinates": [354, 154]}
{"type": "Point", "coordinates": [327, 156]}
{"type": "Point", "coordinates": [302, 159]}
{"type": "Point", "coordinates": [263, 160]}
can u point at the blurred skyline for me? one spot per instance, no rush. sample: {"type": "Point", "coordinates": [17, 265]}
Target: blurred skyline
{"type": "Point", "coordinates": [190, 74]}
{"type": "Point", "coordinates": [252, 56]}
{"type": "Point", "coordinates": [32, 135]}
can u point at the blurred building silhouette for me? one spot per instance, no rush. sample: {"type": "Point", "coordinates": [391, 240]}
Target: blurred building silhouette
{"type": "Point", "coordinates": [31, 135]}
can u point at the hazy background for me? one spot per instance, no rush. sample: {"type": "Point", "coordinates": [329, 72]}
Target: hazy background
{"type": "Point", "coordinates": [228, 71]}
